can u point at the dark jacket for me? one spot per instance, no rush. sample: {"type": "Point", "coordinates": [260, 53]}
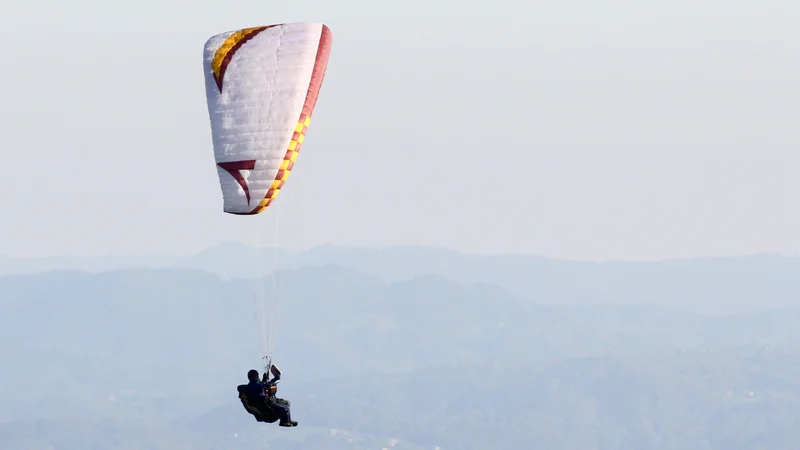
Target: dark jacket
{"type": "Point", "coordinates": [255, 390]}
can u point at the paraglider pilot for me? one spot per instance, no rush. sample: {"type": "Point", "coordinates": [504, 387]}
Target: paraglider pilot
{"type": "Point", "coordinates": [258, 398]}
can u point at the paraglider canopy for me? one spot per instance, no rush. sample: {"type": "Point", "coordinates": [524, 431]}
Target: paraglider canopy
{"type": "Point", "coordinates": [262, 84]}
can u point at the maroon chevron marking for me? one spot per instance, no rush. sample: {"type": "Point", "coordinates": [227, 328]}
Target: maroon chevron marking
{"type": "Point", "coordinates": [234, 168]}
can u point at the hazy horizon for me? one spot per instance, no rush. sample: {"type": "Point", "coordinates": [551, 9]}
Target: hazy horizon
{"type": "Point", "coordinates": [188, 253]}
{"type": "Point", "coordinates": [569, 130]}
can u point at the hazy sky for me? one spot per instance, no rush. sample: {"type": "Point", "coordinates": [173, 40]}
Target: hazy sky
{"type": "Point", "coordinates": [570, 128]}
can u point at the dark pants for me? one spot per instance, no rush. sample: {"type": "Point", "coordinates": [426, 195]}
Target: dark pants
{"type": "Point", "coordinates": [281, 407]}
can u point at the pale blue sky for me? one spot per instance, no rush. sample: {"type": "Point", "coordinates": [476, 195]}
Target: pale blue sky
{"type": "Point", "coordinates": [575, 129]}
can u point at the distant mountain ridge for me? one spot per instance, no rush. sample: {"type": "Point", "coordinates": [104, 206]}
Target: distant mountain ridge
{"type": "Point", "coordinates": [149, 358]}
{"type": "Point", "coordinates": [136, 326]}
{"type": "Point", "coordinates": [734, 284]}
